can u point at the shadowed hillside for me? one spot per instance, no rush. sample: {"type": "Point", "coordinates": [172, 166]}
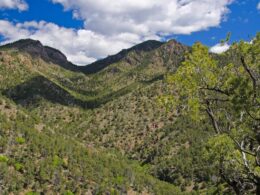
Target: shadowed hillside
{"type": "Point", "coordinates": [104, 128]}
{"type": "Point", "coordinates": [115, 107]}
{"type": "Point", "coordinates": [30, 93]}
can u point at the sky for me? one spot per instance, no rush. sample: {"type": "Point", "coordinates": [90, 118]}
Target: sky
{"type": "Point", "coordinates": [87, 30]}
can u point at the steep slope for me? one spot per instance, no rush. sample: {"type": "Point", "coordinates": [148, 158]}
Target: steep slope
{"type": "Point", "coordinates": [101, 64]}
{"type": "Point", "coordinates": [33, 159]}
{"type": "Point", "coordinates": [113, 112]}
{"type": "Point", "coordinates": [136, 68]}
{"type": "Point", "coordinates": [39, 151]}
{"type": "Point", "coordinates": [36, 49]}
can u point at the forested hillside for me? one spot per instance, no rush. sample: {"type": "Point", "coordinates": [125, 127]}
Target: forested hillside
{"type": "Point", "coordinates": [158, 118]}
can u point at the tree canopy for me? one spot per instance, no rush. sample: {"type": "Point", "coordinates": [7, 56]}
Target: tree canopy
{"type": "Point", "coordinates": [228, 96]}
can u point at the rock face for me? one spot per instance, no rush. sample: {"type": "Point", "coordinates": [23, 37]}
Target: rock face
{"type": "Point", "coordinates": [48, 54]}
{"type": "Point", "coordinates": [56, 56]}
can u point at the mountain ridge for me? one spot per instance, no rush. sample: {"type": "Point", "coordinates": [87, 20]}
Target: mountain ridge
{"type": "Point", "coordinates": [44, 104]}
{"type": "Point", "coordinates": [49, 54]}
{"type": "Point", "coordinates": [103, 63]}
{"type": "Point", "coordinates": [36, 49]}
{"type": "Point", "coordinates": [70, 132]}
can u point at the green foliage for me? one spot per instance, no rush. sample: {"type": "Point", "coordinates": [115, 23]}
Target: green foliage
{"type": "Point", "coordinates": [228, 95]}
{"type": "Point", "coordinates": [197, 73]}
{"type": "Point", "coordinates": [219, 146]}
{"type": "Point", "coordinates": [57, 161]}
{"type": "Point", "coordinates": [68, 193]}
{"type": "Point", "coordinates": [32, 193]}
{"type": "Point", "coordinates": [3, 159]}
{"type": "Point", "coordinates": [20, 140]}
{"type": "Point", "coordinates": [105, 133]}
{"type": "Point", "coordinates": [18, 166]}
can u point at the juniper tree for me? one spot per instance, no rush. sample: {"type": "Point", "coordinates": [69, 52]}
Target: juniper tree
{"type": "Point", "coordinates": [228, 96]}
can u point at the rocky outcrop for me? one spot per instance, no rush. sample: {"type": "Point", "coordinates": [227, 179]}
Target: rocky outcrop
{"type": "Point", "coordinates": [48, 54]}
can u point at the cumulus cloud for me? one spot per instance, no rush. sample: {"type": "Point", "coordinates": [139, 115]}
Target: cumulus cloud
{"type": "Point", "coordinates": [258, 6]}
{"type": "Point", "coordinates": [219, 48]}
{"type": "Point", "coordinates": [14, 4]}
{"type": "Point", "coordinates": [80, 46]}
{"type": "Point", "coordinates": [144, 17]}
{"type": "Point", "coordinates": [112, 25]}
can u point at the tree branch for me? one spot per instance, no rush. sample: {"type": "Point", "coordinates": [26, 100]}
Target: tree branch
{"type": "Point", "coordinates": [213, 120]}
{"type": "Point", "coordinates": [258, 156]}
{"type": "Point", "coordinates": [215, 89]}
{"type": "Point", "coordinates": [251, 116]}
{"type": "Point", "coordinates": [244, 156]}
{"type": "Point", "coordinates": [241, 148]}
{"type": "Point", "coordinates": [247, 69]}
{"type": "Point", "coordinates": [217, 100]}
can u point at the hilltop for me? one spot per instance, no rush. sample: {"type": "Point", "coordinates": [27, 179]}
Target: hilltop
{"type": "Point", "coordinates": [61, 104]}
{"type": "Point", "coordinates": [99, 129]}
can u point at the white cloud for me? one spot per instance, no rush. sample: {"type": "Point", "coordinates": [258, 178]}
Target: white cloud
{"type": "Point", "coordinates": [144, 17]}
{"type": "Point", "coordinates": [14, 4]}
{"type": "Point", "coordinates": [219, 48]}
{"type": "Point", "coordinates": [80, 46]}
{"type": "Point", "coordinates": [112, 25]}
{"type": "Point", "coordinates": [258, 6]}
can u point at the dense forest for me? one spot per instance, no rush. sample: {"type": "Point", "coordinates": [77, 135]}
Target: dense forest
{"type": "Point", "coordinates": [158, 118]}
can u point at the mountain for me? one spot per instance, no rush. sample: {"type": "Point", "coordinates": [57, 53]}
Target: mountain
{"type": "Point", "coordinates": [101, 64]}
{"type": "Point", "coordinates": [99, 129]}
{"type": "Point", "coordinates": [36, 49]}
{"type": "Point", "coordinates": [137, 54]}
{"type": "Point", "coordinates": [131, 56]}
{"type": "Point", "coordinates": [47, 110]}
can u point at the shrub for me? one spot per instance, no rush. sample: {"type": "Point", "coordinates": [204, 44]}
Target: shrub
{"type": "Point", "coordinates": [3, 158]}
{"type": "Point", "coordinates": [20, 140]}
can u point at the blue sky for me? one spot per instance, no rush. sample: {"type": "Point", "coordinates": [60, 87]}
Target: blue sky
{"type": "Point", "coordinates": [243, 22]}
{"type": "Point", "coordinates": [89, 30]}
